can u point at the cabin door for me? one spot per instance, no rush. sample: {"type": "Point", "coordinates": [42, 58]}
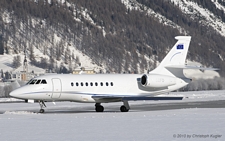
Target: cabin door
{"type": "Point", "coordinates": [56, 88]}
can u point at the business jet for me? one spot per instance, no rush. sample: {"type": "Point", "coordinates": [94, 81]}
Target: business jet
{"type": "Point", "coordinates": [105, 88]}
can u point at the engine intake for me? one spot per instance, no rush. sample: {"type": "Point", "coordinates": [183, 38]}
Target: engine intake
{"type": "Point", "coordinates": [157, 81]}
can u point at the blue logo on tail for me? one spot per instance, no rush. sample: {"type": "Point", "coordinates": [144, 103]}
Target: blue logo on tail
{"type": "Point", "coordinates": [180, 46]}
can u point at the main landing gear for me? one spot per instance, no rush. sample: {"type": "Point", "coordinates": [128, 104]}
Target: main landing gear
{"type": "Point", "coordinates": [42, 105]}
{"type": "Point", "coordinates": [99, 107]}
{"type": "Point", "coordinates": [124, 108]}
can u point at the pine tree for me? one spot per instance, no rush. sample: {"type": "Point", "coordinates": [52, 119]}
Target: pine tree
{"type": "Point", "coordinates": [16, 61]}
{"type": "Point", "coordinates": [1, 45]}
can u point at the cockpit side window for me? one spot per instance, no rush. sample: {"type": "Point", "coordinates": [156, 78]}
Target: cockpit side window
{"type": "Point", "coordinates": [43, 81]}
{"type": "Point", "coordinates": [29, 82]}
{"type": "Point", "coordinates": [33, 81]}
{"type": "Point", "coordinates": [38, 81]}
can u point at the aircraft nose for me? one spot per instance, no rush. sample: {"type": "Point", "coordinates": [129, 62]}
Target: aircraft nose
{"type": "Point", "coordinates": [12, 94]}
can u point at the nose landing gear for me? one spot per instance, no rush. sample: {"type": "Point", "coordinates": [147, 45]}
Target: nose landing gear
{"type": "Point", "coordinates": [42, 105]}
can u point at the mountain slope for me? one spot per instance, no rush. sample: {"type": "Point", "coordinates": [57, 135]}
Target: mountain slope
{"type": "Point", "coordinates": [126, 35]}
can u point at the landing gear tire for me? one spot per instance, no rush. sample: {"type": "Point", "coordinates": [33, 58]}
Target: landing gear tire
{"type": "Point", "coordinates": [99, 108]}
{"type": "Point", "coordinates": [42, 111]}
{"type": "Point", "coordinates": [123, 109]}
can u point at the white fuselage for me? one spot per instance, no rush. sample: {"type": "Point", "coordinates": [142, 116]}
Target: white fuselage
{"type": "Point", "coordinates": [102, 88]}
{"type": "Point", "coordinates": [81, 88]}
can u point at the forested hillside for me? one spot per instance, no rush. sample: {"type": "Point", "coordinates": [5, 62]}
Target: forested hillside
{"type": "Point", "coordinates": [118, 35]}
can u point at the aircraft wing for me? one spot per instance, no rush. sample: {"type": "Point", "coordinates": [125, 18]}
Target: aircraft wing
{"type": "Point", "coordinates": [152, 98]}
{"type": "Point", "coordinates": [134, 98]}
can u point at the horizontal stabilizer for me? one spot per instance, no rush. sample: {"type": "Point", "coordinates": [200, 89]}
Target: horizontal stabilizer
{"type": "Point", "coordinates": [190, 67]}
{"type": "Point", "coordinates": [177, 70]}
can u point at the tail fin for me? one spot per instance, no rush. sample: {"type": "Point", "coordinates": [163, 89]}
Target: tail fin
{"type": "Point", "coordinates": [175, 57]}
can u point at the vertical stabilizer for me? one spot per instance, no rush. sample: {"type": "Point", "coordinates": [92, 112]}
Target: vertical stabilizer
{"type": "Point", "coordinates": [176, 56]}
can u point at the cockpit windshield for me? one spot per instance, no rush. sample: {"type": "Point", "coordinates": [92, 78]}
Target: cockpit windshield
{"type": "Point", "coordinates": [29, 81]}
{"type": "Point", "coordinates": [33, 81]}
{"type": "Point", "coordinates": [36, 81]}
{"type": "Point", "coordinates": [43, 81]}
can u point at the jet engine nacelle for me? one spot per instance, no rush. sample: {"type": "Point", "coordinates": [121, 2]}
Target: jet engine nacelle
{"type": "Point", "coordinates": [157, 81]}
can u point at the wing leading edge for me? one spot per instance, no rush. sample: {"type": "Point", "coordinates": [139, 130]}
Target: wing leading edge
{"type": "Point", "coordinates": [135, 98]}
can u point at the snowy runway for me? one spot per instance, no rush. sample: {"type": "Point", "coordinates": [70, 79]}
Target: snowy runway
{"type": "Point", "coordinates": [199, 119]}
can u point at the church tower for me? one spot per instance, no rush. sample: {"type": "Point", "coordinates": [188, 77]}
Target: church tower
{"type": "Point", "coordinates": [25, 69]}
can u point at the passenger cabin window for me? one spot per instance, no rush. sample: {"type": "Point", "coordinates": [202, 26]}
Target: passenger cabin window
{"type": "Point", "coordinates": [86, 83]}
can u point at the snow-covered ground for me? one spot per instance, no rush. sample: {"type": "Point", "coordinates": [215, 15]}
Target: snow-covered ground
{"type": "Point", "coordinates": [78, 121]}
{"type": "Point", "coordinates": [6, 62]}
{"type": "Point", "coordinates": [6, 65]}
{"type": "Point", "coordinates": [192, 96]}
{"type": "Point", "coordinates": [184, 124]}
